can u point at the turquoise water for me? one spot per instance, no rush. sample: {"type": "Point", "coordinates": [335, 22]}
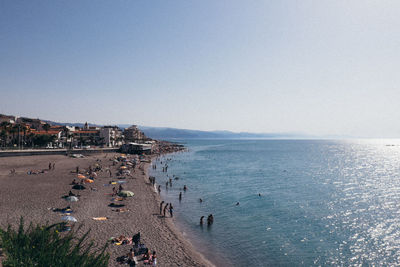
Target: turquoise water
{"type": "Point", "coordinates": [322, 202]}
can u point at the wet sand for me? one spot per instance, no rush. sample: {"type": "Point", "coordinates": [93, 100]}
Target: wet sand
{"type": "Point", "coordinates": [33, 196]}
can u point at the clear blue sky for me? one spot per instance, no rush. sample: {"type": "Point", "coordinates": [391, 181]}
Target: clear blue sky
{"type": "Point", "coordinates": [317, 67]}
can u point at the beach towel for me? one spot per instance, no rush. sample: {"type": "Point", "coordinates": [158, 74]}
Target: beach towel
{"type": "Point", "coordinates": [100, 218]}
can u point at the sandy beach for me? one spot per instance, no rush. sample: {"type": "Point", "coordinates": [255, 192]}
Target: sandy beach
{"type": "Point", "coordinates": [34, 196]}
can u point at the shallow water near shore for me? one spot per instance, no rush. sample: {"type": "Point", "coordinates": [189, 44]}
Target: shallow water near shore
{"type": "Point", "coordinates": [322, 202]}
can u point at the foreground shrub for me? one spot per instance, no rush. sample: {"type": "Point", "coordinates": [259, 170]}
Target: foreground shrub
{"type": "Point", "coordinates": [45, 246]}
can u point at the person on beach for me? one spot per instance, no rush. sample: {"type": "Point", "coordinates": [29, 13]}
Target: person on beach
{"type": "Point", "coordinates": [114, 191]}
{"type": "Point", "coordinates": [77, 169]}
{"type": "Point", "coordinates": [166, 185]}
{"type": "Point", "coordinates": [54, 165]}
{"type": "Point", "coordinates": [146, 257]}
{"type": "Point", "coordinates": [159, 189]}
{"type": "Point", "coordinates": [73, 182]}
{"type": "Point", "coordinates": [184, 188]}
{"type": "Point", "coordinates": [161, 205]}
{"type": "Point", "coordinates": [171, 209]}
{"type": "Point", "coordinates": [180, 196]}
{"type": "Point", "coordinates": [154, 259]}
{"type": "Point", "coordinates": [49, 165]}
{"type": "Point", "coordinates": [136, 239]}
{"type": "Point", "coordinates": [210, 219]}
{"type": "Point", "coordinates": [131, 258]}
{"type": "Point", "coordinates": [201, 220]}
{"type": "Point", "coordinates": [120, 188]}
{"type": "Point", "coordinates": [165, 209]}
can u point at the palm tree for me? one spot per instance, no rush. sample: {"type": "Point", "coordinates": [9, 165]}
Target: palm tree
{"type": "Point", "coordinates": [66, 135]}
{"type": "Point", "coordinates": [24, 129]}
{"type": "Point", "coordinates": [13, 130]}
{"type": "Point", "coordinates": [3, 137]}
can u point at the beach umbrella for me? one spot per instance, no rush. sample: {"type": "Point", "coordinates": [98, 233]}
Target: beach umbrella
{"type": "Point", "coordinates": [81, 176]}
{"type": "Point", "coordinates": [69, 218]}
{"type": "Point", "coordinates": [121, 182]}
{"type": "Point", "coordinates": [72, 199]}
{"type": "Point", "coordinates": [88, 181]}
{"type": "Point", "coordinates": [94, 174]}
{"type": "Point", "coordinates": [123, 167]}
{"type": "Point", "coordinates": [126, 193]}
{"type": "Point", "coordinates": [79, 187]}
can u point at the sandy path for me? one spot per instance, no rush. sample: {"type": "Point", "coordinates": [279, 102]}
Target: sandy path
{"type": "Point", "coordinates": [32, 196]}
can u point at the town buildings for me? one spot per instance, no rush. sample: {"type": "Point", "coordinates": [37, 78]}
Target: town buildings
{"type": "Point", "coordinates": [22, 132]}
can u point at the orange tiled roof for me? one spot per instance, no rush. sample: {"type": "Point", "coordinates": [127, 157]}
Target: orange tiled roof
{"type": "Point", "coordinates": [87, 131]}
{"type": "Point", "coordinates": [46, 133]}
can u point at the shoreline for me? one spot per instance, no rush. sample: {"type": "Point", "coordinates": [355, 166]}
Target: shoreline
{"type": "Point", "coordinates": [33, 196]}
{"type": "Point", "coordinates": [213, 255]}
{"type": "Point", "coordinates": [173, 227]}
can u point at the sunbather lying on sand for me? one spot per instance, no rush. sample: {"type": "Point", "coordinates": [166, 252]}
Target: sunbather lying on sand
{"type": "Point", "coordinates": [122, 240]}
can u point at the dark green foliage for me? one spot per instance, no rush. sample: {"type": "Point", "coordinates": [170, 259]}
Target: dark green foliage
{"type": "Point", "coordinates": [43, 139]}
{"type": "Point", "coordinates": [45, 246]}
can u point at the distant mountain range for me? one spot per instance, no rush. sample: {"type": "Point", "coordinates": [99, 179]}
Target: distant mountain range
{"type": "Point", "coordinates": [175, 133]}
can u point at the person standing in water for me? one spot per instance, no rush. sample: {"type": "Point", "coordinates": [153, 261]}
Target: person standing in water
{"type": "Point", "coordinates": [210, 219]}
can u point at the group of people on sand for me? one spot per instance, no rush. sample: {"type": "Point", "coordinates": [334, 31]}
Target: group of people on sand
{"type": "Point", "coordinates": [169, 207]}
{"type": "Point", "coordinates": [117, 191]}
{"type": "Point", "coordinates": [138, 249]}
{"type": "Point", "coordinates": [52, 166]}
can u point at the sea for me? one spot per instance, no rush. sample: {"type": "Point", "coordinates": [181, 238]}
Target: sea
{"type": "Point", "coordinates": [288, 202]}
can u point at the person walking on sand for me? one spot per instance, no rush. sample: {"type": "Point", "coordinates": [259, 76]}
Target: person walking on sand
{"type": "Point", "coordinates": [161, 204]}
{"type": "Point", "coordinates": [54, 165]}
{"type": "Point", "coordinates": [49, 165]}
{"type": "Point", "coordinates": [171, 209]}
{"type": "Point", "coordinates": [180, 196]}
